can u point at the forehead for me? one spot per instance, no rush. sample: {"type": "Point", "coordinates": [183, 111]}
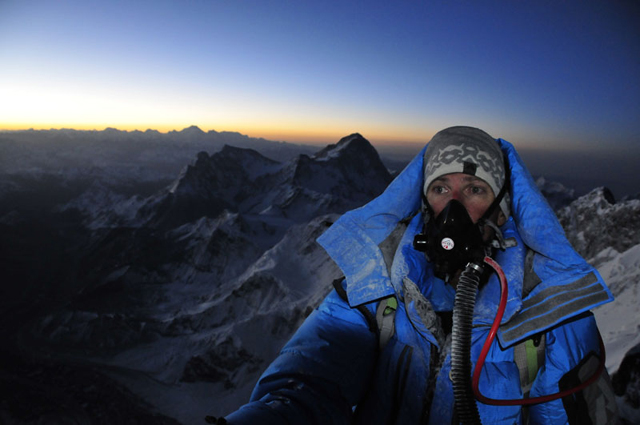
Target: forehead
{"type": "Point", "coordinates": [458, 178]}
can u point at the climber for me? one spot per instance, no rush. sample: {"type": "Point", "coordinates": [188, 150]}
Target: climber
{"type": "Point", "coordinates": [379, 349]}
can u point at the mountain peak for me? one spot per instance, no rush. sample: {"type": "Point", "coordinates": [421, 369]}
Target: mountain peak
{"type": "Point", "coordinates": [194, 129]}
{"type": "Point", "coordinates": [354, 144]}
{"type": "Point", "coordinates": [600, 197]}
{"type": "Point", "coordinates": [350, 138]}
{"type": "Point", "coordinates": [212, 184]}
{"type": "Point", "coordinates": [192, 134]}
{"type": "Point", "coordinates": [346, 175]}
{"type": "Point", "coordinates": [556, 193]}
{"type": "Point", "coordinates": [593, 222]}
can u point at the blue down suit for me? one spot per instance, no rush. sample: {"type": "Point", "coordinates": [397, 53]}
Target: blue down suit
{"type": "Point", "coordinates": [333, 371]}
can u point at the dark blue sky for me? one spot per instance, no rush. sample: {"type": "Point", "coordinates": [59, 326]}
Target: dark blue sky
{"type": "Point", "coordinates": [556, 75]}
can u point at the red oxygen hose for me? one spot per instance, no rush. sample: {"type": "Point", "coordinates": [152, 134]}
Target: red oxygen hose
{"type": "Point", "coordinates": [504, 291]}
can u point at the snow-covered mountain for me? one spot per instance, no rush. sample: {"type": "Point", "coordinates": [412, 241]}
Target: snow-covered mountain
{"type": "Point", "coordinates": [595, 222]}
{"type": "Point", "coordinates": [172, 299]}
{"type": "Point", "coordinates": [607, 234]}
{"type": "Point", "coordinates": [149, 152]}
{"type": "Point", "coordinates": [193, 289]}
{"type": "Point", "coordinates": [123, 162]}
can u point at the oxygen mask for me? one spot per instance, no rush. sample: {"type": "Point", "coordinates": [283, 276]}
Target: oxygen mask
{"type": "Point", "coordinates": [451, 241]}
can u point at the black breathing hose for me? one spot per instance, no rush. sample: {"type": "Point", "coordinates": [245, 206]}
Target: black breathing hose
{"type": "Point", "coordinates": [465, 388]}
{"type": "Point", "coordinates": [463, 306]}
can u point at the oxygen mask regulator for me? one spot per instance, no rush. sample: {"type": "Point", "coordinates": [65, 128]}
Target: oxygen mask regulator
{"type": "Point", "coordinates": [452, 240]}
{"type": "Point", "coordinates": [454, 243]}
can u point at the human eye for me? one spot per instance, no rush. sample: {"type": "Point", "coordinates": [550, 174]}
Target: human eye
{"type": "Point", "coordinates": [438, 189]}
{"type": "Point", "coordinates": [477, 189]}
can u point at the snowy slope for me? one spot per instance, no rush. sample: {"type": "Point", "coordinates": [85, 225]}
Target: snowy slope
{"type": "Point", "coordinates": [619, 321]}
{"type": "Point", "coordinates": [607, 233]}
{"type": "Point", "coordinates": [190, 292]}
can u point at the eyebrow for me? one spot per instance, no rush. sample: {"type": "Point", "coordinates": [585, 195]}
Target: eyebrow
{"type": "Point", "coordinates": [466, 178]}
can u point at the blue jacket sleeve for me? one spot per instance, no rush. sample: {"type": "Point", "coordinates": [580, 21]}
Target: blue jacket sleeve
{"type": "Point", "coordinates": [572, 356]}
{"type": "Point", "coordinates": [320, 374]}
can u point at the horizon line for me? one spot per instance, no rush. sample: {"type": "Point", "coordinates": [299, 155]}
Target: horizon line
{"type": "Point", "coordinates": [300, 140]}
{"type": "Point", "coordinates": [309, 140]}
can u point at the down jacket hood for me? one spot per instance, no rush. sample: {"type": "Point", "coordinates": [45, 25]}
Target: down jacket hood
{"type": "Point", "coordinates": [567, 286]}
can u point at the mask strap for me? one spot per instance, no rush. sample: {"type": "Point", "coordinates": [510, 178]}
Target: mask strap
{"type": "Point", "coordinates": [426, 209]}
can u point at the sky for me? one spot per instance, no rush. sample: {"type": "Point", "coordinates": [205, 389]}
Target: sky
{"type": "Point", "coordinates": [556, 75]}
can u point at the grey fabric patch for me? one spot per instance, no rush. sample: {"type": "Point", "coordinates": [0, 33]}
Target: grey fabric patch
{"type": "Point", "coordinates": [555, 316]}
{"type": "Point", "coordinates": [531, 279]}
{"type": "Point", "coordinates": [542, 310]}
{"type": "Point", "coordinates": [520, 357]}
{"type": "Point", "coordinates": [548, 294]}
{"type": "Point", "coordinates": [386, 322]}
{"type": "Point", "coordinates": [389, 246]}
{"type": "Point", "coordinates": [425, 310]}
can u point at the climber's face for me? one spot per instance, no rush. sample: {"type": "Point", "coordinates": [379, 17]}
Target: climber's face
{"type": "Point", "coordinates": [474, 193]}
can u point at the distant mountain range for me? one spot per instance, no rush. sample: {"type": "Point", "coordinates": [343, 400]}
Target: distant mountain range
{"type": "Point", "coordinates": [133, 288]}
{"type": "Point", "coordinates": [123, 156]}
